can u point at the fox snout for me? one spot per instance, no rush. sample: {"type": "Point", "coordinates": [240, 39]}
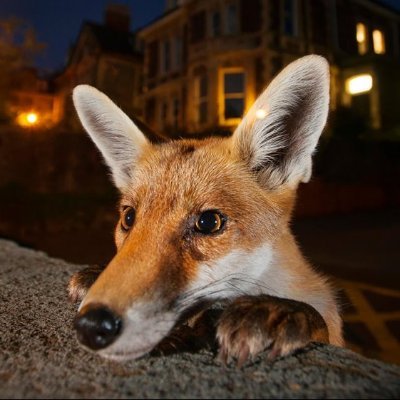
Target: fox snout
{"type": "Point", "coordinates": [97, 326]}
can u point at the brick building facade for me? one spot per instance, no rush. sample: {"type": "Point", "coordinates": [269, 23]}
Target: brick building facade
{"type": "Point", "coordinates": [205, 62]}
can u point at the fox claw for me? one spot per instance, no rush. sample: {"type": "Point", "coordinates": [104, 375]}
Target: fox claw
{"type": "Point", "coordinates": [253, 324]}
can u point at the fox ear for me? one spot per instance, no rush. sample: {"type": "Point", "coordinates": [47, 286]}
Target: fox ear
{"type": "Point", "coordinates": [119, 140]}
{"type": "Point", "coordinates": [278, 135]}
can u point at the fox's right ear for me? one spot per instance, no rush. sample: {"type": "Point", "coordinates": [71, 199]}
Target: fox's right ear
{"type": "Point", "coordinates": [278, 135]}
{"type": "Point", "coordinates": [119, 140]}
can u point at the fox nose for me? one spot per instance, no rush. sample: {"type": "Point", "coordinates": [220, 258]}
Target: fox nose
{"type": "Point", "coordinates": [97, 327]}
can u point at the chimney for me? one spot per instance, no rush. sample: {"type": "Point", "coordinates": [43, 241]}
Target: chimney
{"type": "Point", "coordinates": [117, 16]}
{"type": "Point", "coordinates": [171, 4]}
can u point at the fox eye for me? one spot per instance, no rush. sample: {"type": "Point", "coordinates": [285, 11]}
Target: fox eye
{"type": "Point", "coordinates": [210, 222]}
{"type": "Point", "coordinates": [128, 218]}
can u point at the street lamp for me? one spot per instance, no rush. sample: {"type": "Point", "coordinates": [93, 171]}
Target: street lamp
{"type": "Point", "coordinates": [28, 119]}
{"type": "Point", "coordinates": [31, 118]}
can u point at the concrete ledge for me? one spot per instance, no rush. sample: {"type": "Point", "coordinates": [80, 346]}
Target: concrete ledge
{"type": "Point", "coordinates": [39, 355]}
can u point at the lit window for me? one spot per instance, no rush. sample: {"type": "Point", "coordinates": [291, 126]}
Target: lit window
{"type": "Point", "coordinates": [359, 84]}
{"type": "Point", "coordinates": [234, 95]}
{"type": "Point", "coordinates": [379, 41]}
{"type": "Point", "coordinates": [362, 38]}
{"type": "Point", "coordinates": [201, 98]}
{"type": "Point", "coordinates": [290, 17]}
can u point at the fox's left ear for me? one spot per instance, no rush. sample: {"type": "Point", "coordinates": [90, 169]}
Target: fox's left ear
{"type": "Point", "coordinates": [278, 135]}
{"type": "Point", "coordinates": [119, 140]}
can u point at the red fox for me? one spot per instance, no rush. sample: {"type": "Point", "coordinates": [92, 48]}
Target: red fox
{"type": "Point", "coordinates": [204, 220]}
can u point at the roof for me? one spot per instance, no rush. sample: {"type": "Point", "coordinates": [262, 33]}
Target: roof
{"type": "Point", "coordinates": [387, 6]}
{"type": "Point", "coordinates": [113, 41]}
{"type": "Point", "coordinates": [161, 18]}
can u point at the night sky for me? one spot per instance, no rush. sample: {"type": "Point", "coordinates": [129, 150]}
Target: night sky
{"type": "Point", "coordinates": [57, 22]}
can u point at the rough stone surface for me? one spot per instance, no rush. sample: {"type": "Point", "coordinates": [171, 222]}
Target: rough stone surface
{"type": "Point", "coordinates": [40, 357]}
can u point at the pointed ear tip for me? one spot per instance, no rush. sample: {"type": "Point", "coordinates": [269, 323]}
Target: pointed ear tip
{"type": "Point", "coordinates": [78, 91]}
{"type": "Point", "coordinates": [82, 89]}
{"type": "Point", "coordinates": [316, 62]}
{"type": "Point", "coordinates": [84, 94]}
{"type": "Point", "coordinates": [315, 58]}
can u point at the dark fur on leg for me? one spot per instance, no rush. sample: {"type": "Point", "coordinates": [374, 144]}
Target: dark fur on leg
{"type": "Point", "coordinates": [196, 330]}
{"type": "Point", "coordinates": [81, 281]}
{"type": "Point", "coordinates": [252, 324]}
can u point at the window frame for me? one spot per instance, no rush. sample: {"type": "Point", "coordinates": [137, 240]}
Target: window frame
{"type": "Point", "coordinates": [198, 27]}
{"type": "Point", "coordinates": [226, 19]}
{"type": "Point", "coordinates": [362, 45]}
{"type": "Point", "coordinates": [165, 49]}
{"type": "Point", "coordinates": [176, 111]}
{"type": "Point", "coordinates": [381, 32]}
{"type": "Point", "coordinates": [212, 31]}
{"type": "Point", "coordinates": [295, 19]}
{"type": "Point", "coordinates": [164, 108]}
{"type": "Point", "coordinates": [177, 52]}
{"type": "Point", "coordinates": [224, 96]}
{"type": "Point", "coordinates": [200, 100]}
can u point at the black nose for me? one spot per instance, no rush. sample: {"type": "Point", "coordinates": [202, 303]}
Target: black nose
{"type": "Point", "coordinates": [97, 327]}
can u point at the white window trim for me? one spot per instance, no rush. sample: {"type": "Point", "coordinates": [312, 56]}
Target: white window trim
{"type": "Point", "coordinates": [375, 107]}
{"type": "Point", "coordinates": [222, 96]}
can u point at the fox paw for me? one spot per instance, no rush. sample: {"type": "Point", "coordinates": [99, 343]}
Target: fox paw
{"type": "Point", "coordinates": [252, 324]}
{"type": "Point", "coordinates": [81, 281]}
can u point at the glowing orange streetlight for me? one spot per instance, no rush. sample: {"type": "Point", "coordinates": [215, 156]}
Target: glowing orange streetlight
{"type": "Point", "coordinates": [28, 119]}
{"type": "Point", "coordinates": [32, 118]}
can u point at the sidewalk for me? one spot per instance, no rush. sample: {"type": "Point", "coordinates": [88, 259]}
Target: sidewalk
{"type": "Point", "coordinates": [371, 320]}
{"type": "Point", "coordinates": [362, 253]}
{"type": "Point", "coordinates": [361, 246]}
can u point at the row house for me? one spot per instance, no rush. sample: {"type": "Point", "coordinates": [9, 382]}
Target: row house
{"type": "Point", "coordinates": [105, 56]}
{"type": "Point", "coordinates": [32, 101]}
{"type": "Point", "coordinates": [205, 62]}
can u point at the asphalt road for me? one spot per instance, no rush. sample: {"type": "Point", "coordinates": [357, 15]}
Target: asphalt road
{"type": "Point", "coordinates": [362, 247]}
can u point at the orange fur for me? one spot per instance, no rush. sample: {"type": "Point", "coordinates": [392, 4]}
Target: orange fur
{"type": "Point", "coordinates": [163, 198]}
{"type": "Point", "coordinates": [163, 266]}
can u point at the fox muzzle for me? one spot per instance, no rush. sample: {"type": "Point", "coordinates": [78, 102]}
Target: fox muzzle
{"type": "Point", "coordinates": [97, 327]}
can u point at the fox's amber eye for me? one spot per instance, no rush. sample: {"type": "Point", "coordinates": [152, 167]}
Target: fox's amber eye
{"type": "Point", "coordinates": [209, 222]}
{"type": "Point", "coordinates": [128, 218]}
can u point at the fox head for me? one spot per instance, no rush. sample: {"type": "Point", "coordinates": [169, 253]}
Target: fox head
{"type": "Point", "coordinates": [199, 219]}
